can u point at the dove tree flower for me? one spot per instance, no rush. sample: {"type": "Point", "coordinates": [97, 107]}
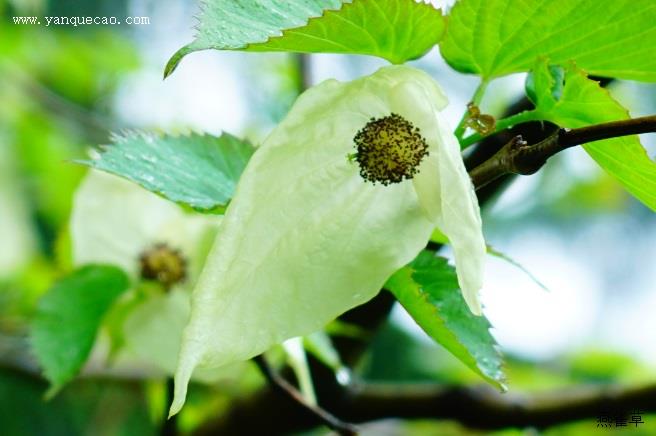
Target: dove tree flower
{"type": "Point", "coordinates": [346, 190]}
{"type": "Point", "coordinates": [118, 222]}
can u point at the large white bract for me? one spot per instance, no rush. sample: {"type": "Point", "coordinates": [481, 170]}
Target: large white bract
{"type": "Point", "coordinates": [306, 237]}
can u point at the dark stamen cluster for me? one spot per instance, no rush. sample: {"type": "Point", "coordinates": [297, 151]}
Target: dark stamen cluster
{"type": "Point", "coordinates": [163, 264]}
{"type": "Point", "coordinates": [389, 149]}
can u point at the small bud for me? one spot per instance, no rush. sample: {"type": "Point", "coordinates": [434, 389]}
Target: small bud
{"type": "Point", "coordinates": [484, 124]}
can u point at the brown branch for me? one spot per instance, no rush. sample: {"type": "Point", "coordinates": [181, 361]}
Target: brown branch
{"type": "Point", "coordinates": [518, 157]}
{"type": "Point", "coordinates": [481, 407]}
{"type": "Point", "coordinates": [478, 407]}
{"type": "Point", "coordinates": [484, 408]}
{"type": "Point", "coordinates": [289, 391]}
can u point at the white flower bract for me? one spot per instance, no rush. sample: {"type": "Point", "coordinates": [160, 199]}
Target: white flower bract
{"type": "Point", "coordinates": [114, 222]}
{"type": "Point", "coordinates": [305, 238]}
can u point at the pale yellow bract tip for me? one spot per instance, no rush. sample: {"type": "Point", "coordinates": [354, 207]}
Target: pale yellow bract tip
{"type": "Point", "coordinates": [182, 377]}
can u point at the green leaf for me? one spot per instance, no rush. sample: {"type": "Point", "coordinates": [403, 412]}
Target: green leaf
{"type": "Point", "coordinates": [438, 237]}
{"type": "Point", "coordinates": [548, 81]}
{"type": "Point", "coordinates": [396, 30]}
{"type": "Point", "coordinates": [200, 171]}
{"type": "Point", "coordinates": [341, 328]}
{"type": "Point", "coordinates": [498, 37]}
{"type": "Point", "coordinates": [428, 290]}
{"type": "Point", "coordinates": [67, 320]}
{"type": "Point", "coordinates": [583, 102]}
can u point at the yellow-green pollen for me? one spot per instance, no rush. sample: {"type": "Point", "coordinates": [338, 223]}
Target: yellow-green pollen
{"type": "Point", "coordinates": [163, 264]}
{"type": "Point", "coordinates": [389, 150]}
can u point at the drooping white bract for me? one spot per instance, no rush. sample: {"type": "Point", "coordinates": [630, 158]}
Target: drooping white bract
{"type": "Point", "coordinates": [306, 238]}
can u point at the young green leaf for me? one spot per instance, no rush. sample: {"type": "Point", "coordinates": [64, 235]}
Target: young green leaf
{"type": "Point", "coordinates": [67, 320]}
{"type": "Point", "coordinates": [200, 171]}
{"type": "Point", "coordinates": [548, 82]}
{"type": "Point", "coordinates": [396, 30]}
{"type": "Point", "coordinates": [428, 290]}
{"type": "Point", "coordinates": [498, 37]}
{"type": "Point", "coordinates": [584, 102]}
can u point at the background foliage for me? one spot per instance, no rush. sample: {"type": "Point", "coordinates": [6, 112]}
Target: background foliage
{"type": "Point", "coordinates": [62, 93]}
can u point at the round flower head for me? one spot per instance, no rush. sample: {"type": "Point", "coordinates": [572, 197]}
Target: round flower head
{"type": "Point", "coordinates": [346, 190]}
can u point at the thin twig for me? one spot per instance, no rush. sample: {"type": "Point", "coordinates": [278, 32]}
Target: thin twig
{"type": "Point", "coordinates": [94, 124]}
{"type": "Point", "coordinates": [285, 388]}
{"type": "Point", "coordinates": [518, 157]}
{"type": "Point", "coordinates": [304, 66]}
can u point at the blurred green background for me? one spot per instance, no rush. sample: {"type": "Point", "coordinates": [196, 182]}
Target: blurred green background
{"type": "Point", "coordinates": [64, 90]}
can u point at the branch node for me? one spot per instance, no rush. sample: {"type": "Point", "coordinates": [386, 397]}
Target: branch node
{"type": "Point", "coordinates": [517, 157]}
